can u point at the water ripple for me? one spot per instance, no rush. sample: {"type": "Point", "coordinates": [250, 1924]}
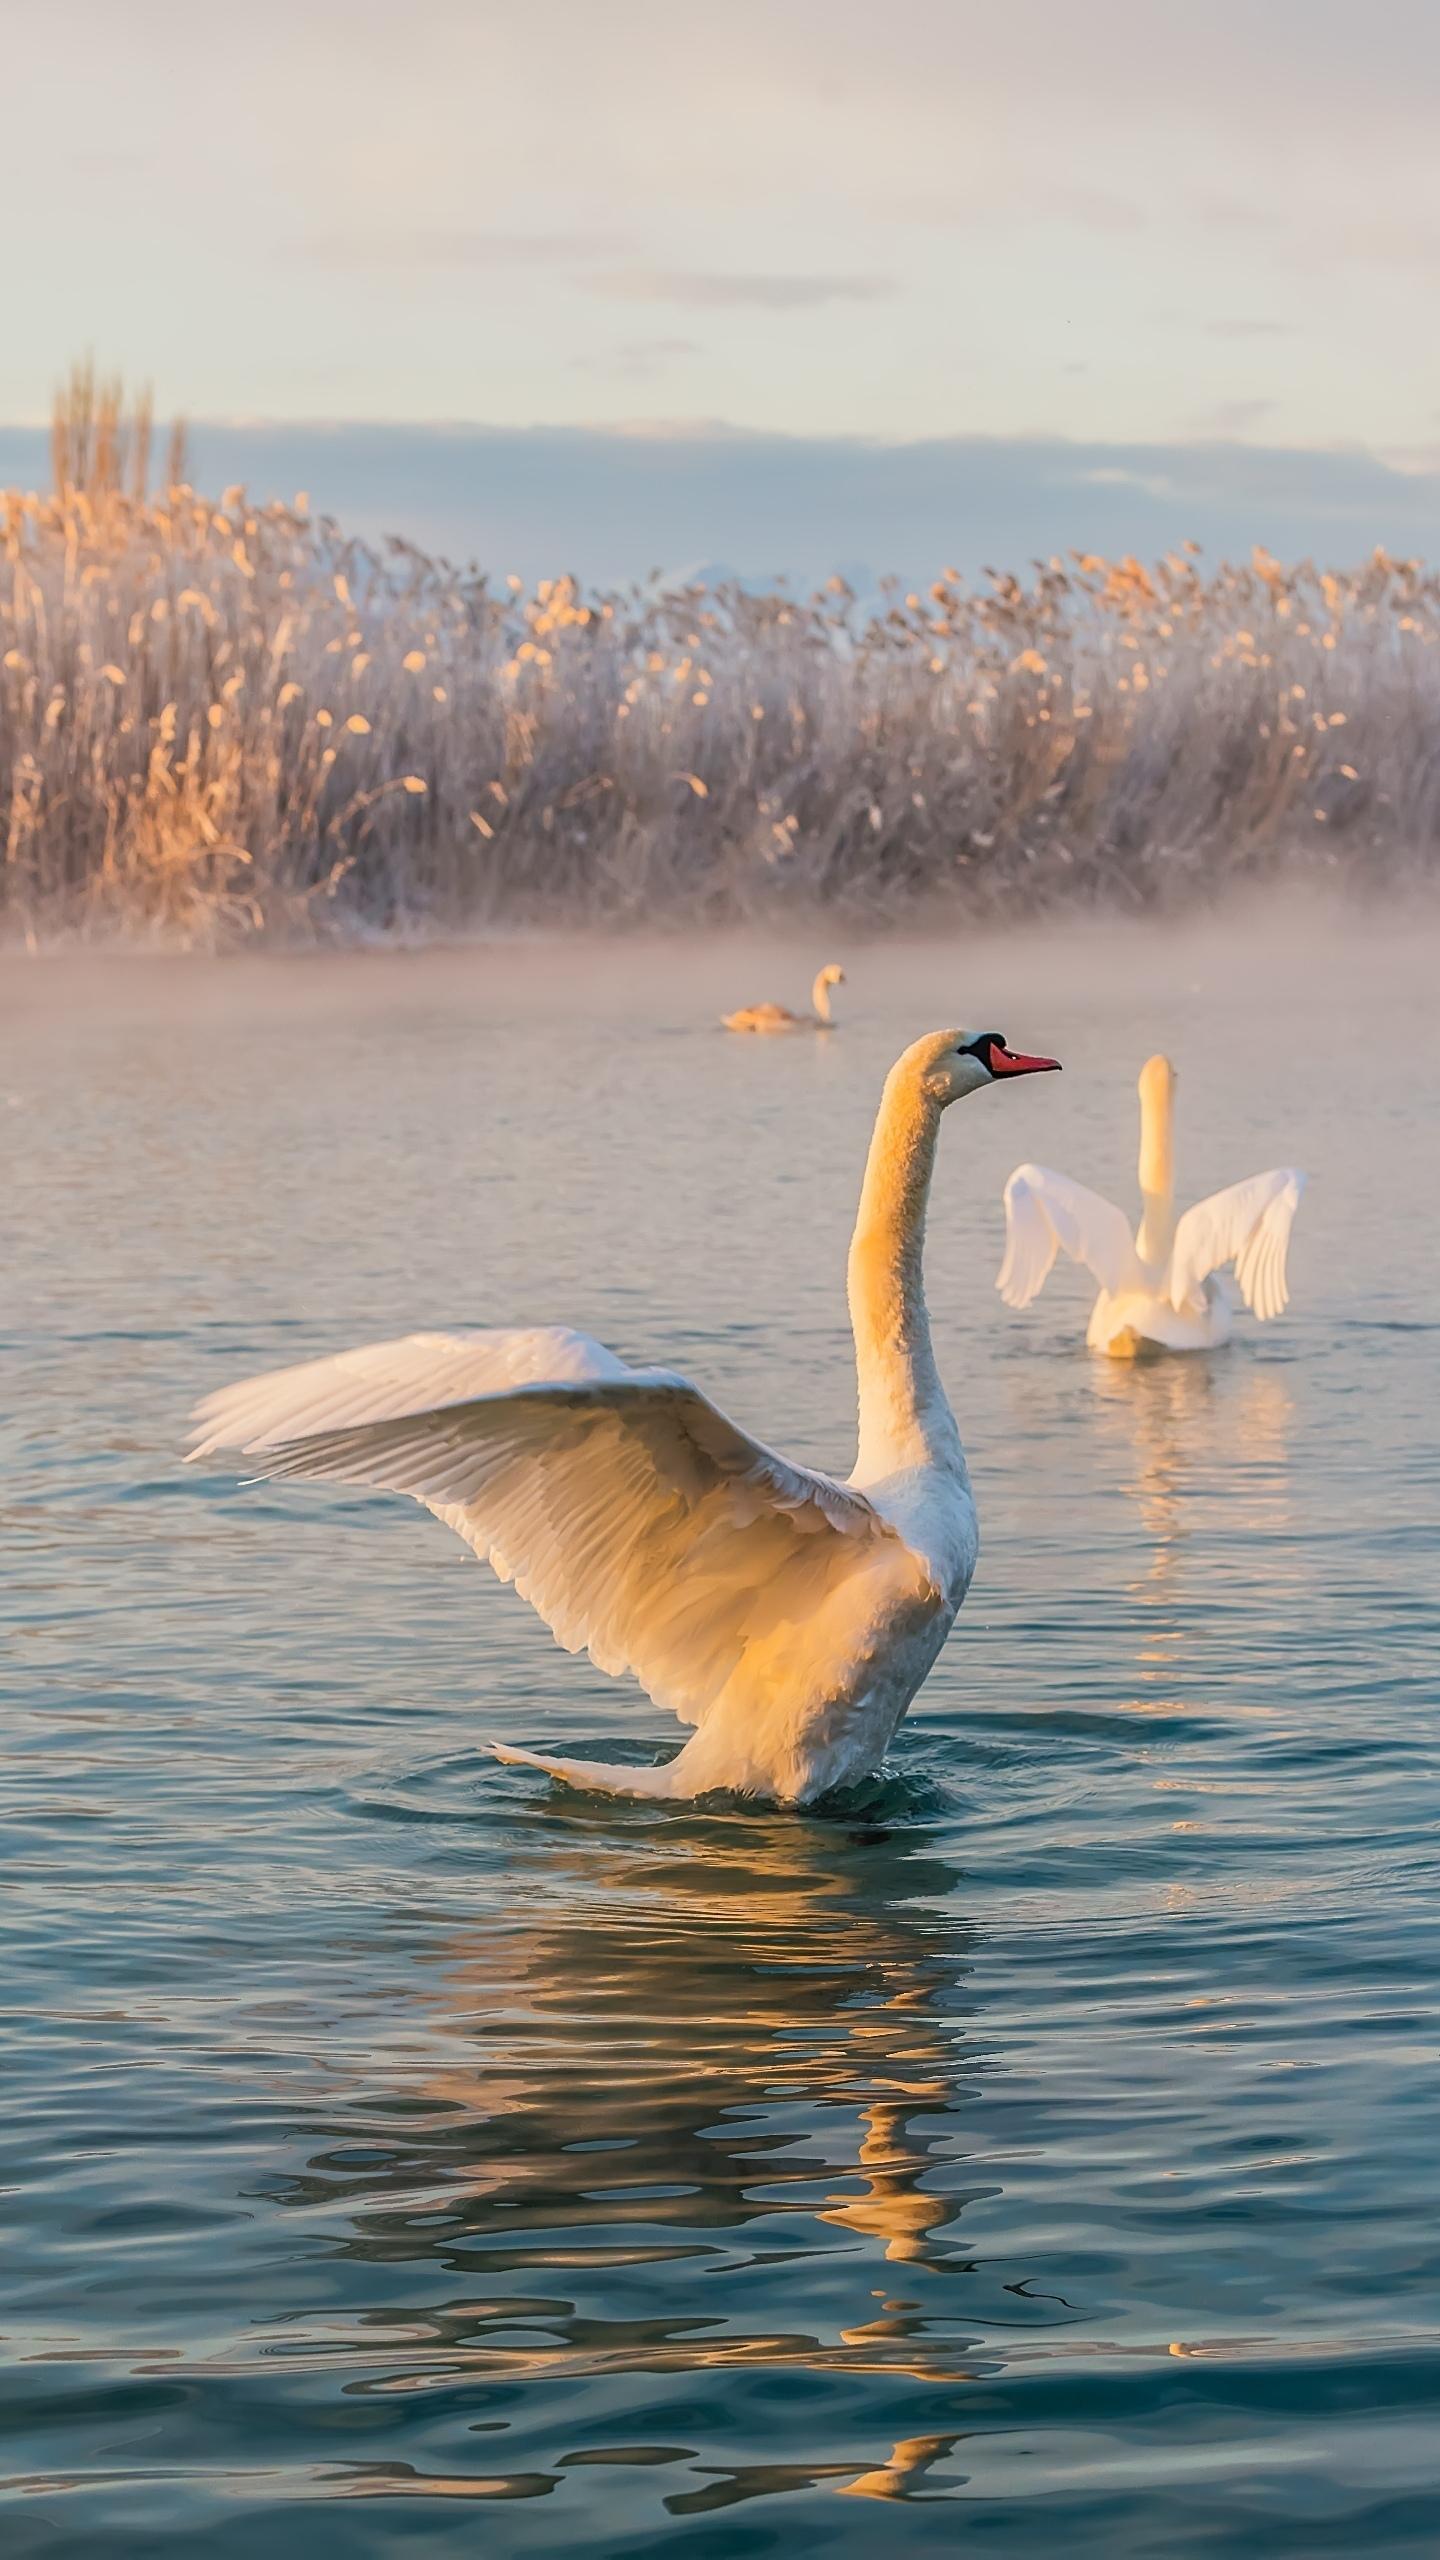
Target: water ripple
{"type": "Point", "coordinates": [1038, 2138]}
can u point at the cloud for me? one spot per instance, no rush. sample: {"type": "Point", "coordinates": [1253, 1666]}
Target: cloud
{"type": "Point", "coordinates": [1248, 329]}
{"type": "Point", "coordinates": [1421, 459]}
{"type": "Point", "coordinates": [702, 291]}
{"type": "Point", "coordinates": [1119, 475]}
{"type": "Point", "coordinates": [639, 357]}
{"type": "Point", "coordinates": [1388, 244]}
{"type": "Point", "coordinates": [1234, 213]}
{"type": "Point", "coordinates": [1022, 200]}
{"type": "Point", "coordinates": [1095, 210]}
{"type": "Point", "coordinates": [1231, 417]}
{"type": "Point", "coordinates": [464, 248]}
{"type": "Point", "coordinates": [1318, 241]}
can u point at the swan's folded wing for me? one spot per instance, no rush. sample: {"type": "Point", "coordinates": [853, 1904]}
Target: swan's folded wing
{"type": "Point", "coordinates": [1045, 1213]}
{"type": "Point", "coordinates": [1248, 1225]}
{"type": "Point", "coordinates": [639, 1521]}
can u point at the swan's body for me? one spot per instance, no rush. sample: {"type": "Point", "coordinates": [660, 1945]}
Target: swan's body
{"type": "Point", "coordinates": [788, 1617]}
{"type": "Point", "coordinates": [1163, 1286]}
{"type": "Point", "coordinates": [774, 1017]}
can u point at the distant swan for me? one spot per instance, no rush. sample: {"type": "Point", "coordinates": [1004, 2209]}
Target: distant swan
{"type": "Point", "coordinates": [774, 1017]}
{"type": "Point", "coordinates": [1162, 1285]}
{"type": "Point", "coordinates": [788, 1616]}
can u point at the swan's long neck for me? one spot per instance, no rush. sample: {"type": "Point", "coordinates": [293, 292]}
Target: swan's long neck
{"type": "Point", "coordinates": [905, 1419]}
{"type": "Point", "coordinates": [1157, 1162]}
{"type": "Point", "coordinates": [820, 999]}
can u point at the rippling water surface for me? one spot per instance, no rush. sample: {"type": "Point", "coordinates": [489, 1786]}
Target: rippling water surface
{"type": "Point", "coordinates": [1042, 2140]}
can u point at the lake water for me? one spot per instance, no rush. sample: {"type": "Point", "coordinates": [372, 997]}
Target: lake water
{"type": "Point", "coordinates": [1043, 2141]}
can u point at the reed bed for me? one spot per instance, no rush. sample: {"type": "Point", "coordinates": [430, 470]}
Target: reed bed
{"type": "Point", "coordinates": [224, 719]}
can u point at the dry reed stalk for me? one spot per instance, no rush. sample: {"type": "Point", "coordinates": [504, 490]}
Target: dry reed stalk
{"type": "Point", "coordinates": [220, 720]}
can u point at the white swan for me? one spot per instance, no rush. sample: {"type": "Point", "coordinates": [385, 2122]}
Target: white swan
{"type": "Point", "coordinates": [1162, 1285]}
{"type": "Point", "coordinates": [788, 1617]}
{"type": "Point", "coordinates": [774, 1017]}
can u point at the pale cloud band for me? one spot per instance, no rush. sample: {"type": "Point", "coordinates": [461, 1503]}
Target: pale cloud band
{"type": "Point", "coordinates": [610, 504]}
{"type": "Point", "coordinates": [1097, 224]}
{"type": "Point", "coordinates": [700, 291]}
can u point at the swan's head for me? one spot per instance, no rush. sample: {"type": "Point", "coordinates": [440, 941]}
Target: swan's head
{"type": "Point", "coordinates": [1157, 1081]}
{"type": "Point", "coordinates": [832, 975]}
{"type": "Point", "coordinates": [950, 1064]}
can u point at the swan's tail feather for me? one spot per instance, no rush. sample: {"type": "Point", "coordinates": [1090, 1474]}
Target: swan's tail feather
{"type": "Point", "coordinates": [606, 1777]}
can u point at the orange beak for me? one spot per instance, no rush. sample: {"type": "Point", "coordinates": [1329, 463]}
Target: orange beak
{"type": "Point", "coordinates": [1014, 1062]}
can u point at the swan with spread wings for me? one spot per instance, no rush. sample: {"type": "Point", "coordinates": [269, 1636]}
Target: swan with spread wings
{"type": "Point", "coordinates": [788, 1616]}
{"type": "Point", "coordinates": [1165, 1286]}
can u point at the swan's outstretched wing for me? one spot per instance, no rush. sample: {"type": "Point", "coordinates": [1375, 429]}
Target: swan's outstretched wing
{"type": "Point", "coordinates": [1248, 1225]}
{"type": "Point", "coordinates": [641, 1524]}
{"type": "Point", "coordinates": [1045, 1212]}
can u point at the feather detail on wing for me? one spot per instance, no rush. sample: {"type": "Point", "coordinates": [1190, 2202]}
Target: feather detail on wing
{"type": "Point", "coordinates": [1046, 1213]}
{"type": "Point", "coordinates": [1248, 1225]}
{"type": "Point", "coordinates": [639, 1521]}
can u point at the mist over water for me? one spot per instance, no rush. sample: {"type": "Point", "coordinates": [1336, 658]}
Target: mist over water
{"type": "Point", "coordinates": [1038, 2142]}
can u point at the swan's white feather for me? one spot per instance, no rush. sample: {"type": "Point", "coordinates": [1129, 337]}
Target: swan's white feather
{"type": "Point", "coordinates": [1045, 1213]}
{"type": "Point", "coordinates": [790, 1618]}
{"type": "Point", "coordinates": [1161, 1290]}
{"type": "Point", "coordinates": [382, 1379]}
{"type": "Point", "coordinates": [1249, 1224]}
{"type": "Point", "coordinates": [639, 1522]}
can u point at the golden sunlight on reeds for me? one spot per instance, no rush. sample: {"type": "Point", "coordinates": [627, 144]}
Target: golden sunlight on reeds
{"type": "Point", "coordinates": [220, 719]}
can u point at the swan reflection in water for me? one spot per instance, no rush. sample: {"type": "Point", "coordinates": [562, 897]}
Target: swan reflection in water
{"type": "Point", "coordinates": [1208, 1469]}
{"type": "Point", "coordinates": [1165, 1483]}
{"type": "Point", "coordinates": [696, 2052]}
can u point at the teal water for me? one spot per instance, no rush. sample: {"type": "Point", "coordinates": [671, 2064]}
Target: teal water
{"type": "Point", "coordinates": [1043, 2141]}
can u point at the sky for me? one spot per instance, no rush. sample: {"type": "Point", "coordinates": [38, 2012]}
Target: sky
{"type": "Point", "coordinates": [811, 221]}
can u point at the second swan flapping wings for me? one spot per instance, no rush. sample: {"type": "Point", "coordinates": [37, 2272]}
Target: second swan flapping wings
{"type": "Point", "coordinates": [1163, 1285]}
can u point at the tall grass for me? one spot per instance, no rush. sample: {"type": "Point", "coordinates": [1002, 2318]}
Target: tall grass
{"type": "Point", "coordinates": [220, 719]}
